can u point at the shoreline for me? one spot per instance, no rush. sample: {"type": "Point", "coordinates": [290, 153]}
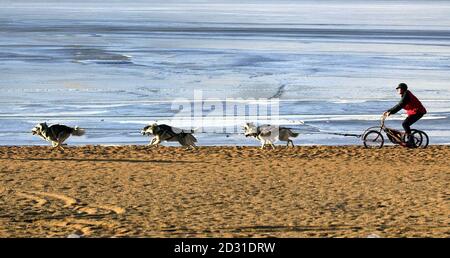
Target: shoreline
{"type": "Point", "coordinates": [176, 145]}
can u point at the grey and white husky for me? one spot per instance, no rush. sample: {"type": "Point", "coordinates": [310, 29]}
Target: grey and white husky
{"type": "Point", "coordinates": [269, 134]}
{"type": "Point", "coordinates": [168, 133]}
{"type": "Point", "coordinates": [56, 134]}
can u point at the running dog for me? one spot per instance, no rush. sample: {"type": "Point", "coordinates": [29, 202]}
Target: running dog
{"type": "Point", "coordinates": [56, 134]}
{"type": "Point", "coordinates": [171, 134]}
{"type": "Point", "coordinates": [268, 134]}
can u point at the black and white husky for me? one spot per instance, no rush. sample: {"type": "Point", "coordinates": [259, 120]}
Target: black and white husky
{"type": "Point", "coordinates": [56, 134]}
{"type": "Point", "coordinates": [171, 134]}
{"type": "Point", "coordinates": [269, 134]}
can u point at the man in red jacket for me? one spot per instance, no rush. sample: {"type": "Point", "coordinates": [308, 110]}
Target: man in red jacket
{"type": "Point", "coordinates": [413, 107]}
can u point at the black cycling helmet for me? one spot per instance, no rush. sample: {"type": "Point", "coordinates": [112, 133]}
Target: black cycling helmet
{"type": "Point", "coordinates": [402, 86]}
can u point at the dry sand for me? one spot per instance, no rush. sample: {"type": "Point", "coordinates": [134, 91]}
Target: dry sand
{"type": "Point", "coordinates": [137, 191]}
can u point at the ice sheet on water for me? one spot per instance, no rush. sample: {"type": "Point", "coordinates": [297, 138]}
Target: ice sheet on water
{"type": "Point", "coordinates": [112, 67]}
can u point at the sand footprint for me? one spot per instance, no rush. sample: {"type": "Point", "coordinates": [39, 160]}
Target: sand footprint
{"type": "Point", "coordinates": [68, 201]}
{"type": "Point", "coordinates": [85, 224]}
{"type": "Point", "coordinates": [93, 209]}
{"type": "Point", "coordinates": [39, 201]}
{"type": "Point", "coordinates": [115, 209]}
{"type": "Point", "coordinates": [84, 227]}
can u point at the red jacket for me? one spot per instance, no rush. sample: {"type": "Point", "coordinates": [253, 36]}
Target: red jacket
{"type": "Point", "coordinates": [410, 103]}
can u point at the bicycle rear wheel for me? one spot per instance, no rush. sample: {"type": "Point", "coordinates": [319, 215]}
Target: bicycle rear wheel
{"type": "Point", "coordinates": [417, 139]}
{"type": "Point", "coordinates": [425, 139]}
{"type": "Point", "coordinates": [373, 139]}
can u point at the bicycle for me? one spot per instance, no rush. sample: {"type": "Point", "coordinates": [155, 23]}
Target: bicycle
{"type": "Point", "coordinates": [373, 137]}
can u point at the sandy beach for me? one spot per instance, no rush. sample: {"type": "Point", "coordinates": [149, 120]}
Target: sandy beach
{"type": "Point", "coordinates": [137, 191]}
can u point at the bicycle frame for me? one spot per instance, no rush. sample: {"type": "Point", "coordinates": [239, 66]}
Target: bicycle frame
{"type": "Point", "coordinates": [393, 135]}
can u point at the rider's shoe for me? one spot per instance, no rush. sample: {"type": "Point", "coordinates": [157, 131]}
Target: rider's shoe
{"type": "Point", "coordinates": [410, 143]}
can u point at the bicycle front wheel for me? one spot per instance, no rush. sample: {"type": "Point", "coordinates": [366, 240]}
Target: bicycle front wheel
{"type": "Point", "coordinates": [373, 139]}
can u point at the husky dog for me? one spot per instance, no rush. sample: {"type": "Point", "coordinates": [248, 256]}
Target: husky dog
{"type": "Point", "coordinates": [171, 134]}
{"type": "Point", "coordinates": [56, 134]}
{"type": "Point", "coordinates": [268, 134]}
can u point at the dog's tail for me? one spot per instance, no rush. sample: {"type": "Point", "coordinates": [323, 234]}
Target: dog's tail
{"type": "Point", "coordinates": [292, 134]}
{"type": "Point", "coordinates": [78, 131]}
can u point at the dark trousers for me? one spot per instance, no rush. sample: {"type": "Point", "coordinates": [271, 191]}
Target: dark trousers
{"type": "Point", "coordinates": [410, 120]}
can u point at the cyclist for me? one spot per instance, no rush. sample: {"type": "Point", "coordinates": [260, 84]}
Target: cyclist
{"type": "Point", "coordinates": [414, 109]}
